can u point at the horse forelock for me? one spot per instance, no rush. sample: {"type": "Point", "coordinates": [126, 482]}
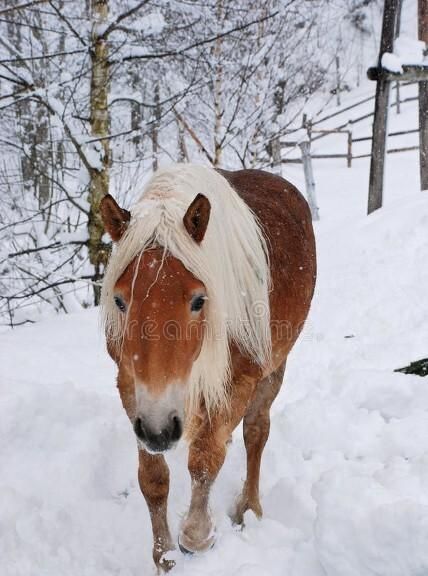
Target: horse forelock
{"type": "Point", "coordinates": [232, 262]}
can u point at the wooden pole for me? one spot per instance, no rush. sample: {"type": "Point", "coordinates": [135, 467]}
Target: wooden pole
{"type": "Point", "coordinates": [397, 33]}
{"type": "Point", "coordinates": [398, 18]}
{"type": "Point", "coordinates": [423, 99]}
{"type": "Point", "coordinates": [377, 163]}
{"type": "Point", "coordinates": [309, 179]}
{"type": "Point", "coordinates": [349, 150]}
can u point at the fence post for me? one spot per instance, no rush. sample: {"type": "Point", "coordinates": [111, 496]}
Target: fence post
{"type": "Point", "coordinates": [397, 33]}
{"type": "Point", "coordinates": [349, 155]}
{"type": "Point", "coordinates": [309, 179]}
{"type": "Point", "coordinates": [377, 162]}
{"type": "Point", "coordinates": [423, 99]}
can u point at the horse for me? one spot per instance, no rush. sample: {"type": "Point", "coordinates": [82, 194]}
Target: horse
{"type": "Point", "coordinates": [207, 288]}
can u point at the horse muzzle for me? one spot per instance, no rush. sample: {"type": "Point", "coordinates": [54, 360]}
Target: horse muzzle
{"type": "Point", "coordinates": [155, 440]}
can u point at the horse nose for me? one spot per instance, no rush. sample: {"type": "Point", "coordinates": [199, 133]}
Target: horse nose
{"type": "Point", "coordinates": [159, 441]}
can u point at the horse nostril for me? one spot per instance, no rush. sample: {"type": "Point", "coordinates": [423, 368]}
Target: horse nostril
{"type": "Point", "coordinates": [176, 428]}
{"type": "Point", "coordinates": [159, 441]}
{"type": "Point", "coordinates": [139, 429]}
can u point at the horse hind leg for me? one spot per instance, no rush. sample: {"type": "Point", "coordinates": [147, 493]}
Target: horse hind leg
{"type": "Point", "coordinates": [256, 433]}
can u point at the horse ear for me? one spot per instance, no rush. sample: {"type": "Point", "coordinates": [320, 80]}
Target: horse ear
{"type": "Point", "coordinates": [115, 218]}
{"type": "Point", "coordinates": [197, 216]}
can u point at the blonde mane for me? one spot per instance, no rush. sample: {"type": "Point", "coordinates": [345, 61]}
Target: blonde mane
{"type": "Point", "coordinates": [231, 261]}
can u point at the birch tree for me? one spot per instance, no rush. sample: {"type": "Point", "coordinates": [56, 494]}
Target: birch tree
{"type": "Point", "coordinates": [100, 130]}
{"type": "Point", "coordinates": [96, 94]}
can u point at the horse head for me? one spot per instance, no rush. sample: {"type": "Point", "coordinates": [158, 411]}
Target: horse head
{"type": "Point", "coordinates": [161, 309]}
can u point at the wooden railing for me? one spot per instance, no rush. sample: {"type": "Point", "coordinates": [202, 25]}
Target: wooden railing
{"type": "Point", "coordinates": [313, 134]}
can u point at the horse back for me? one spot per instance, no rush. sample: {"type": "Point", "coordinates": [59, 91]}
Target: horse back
{"type": "Point", "coordinates": [285, 219]}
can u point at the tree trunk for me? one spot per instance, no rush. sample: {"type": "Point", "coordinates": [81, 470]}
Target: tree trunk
{"type": "Point", "coordinates": [218, 89]}
{"type": "Point", "coordinates": [338, 83]}
{"type": "Point", "coordinates": [99, 177]}
{"type": "Point", "coordinates": [24, 116]}
{"type": "Point", "coordinates": [42, 158]}
{"type": "Point", "coordinates": [183, 155]}
{"type": "Point", "coordinates": [155, 129]}
{"type": "Point", "coordinates": [60, 147]}
{"type": "Point", "coordinates": [42, 145]}
{"type": "Point", "coordinates": [136, 116]}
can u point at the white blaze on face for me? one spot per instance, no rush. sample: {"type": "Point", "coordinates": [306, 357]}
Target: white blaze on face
{"type": "Point", "coordinates": [155, 410]}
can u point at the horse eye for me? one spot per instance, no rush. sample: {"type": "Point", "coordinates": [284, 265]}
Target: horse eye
{"type": "Point", "coordinates": [120, 303]}
{"type": "Point", "coordinates": [197, 303]}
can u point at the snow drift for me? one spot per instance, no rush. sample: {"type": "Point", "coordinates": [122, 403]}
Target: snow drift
{"type": "Point", "coordinates": [345, 472]}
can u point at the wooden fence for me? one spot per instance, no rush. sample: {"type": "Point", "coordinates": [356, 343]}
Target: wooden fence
{"type": "Point", "coordinates": [314, 134]}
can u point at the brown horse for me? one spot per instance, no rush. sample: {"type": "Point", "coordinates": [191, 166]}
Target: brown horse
{"type": "Point", "coordinates": [208, 286]}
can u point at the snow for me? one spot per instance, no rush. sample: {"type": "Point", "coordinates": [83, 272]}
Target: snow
{"type": "Point", "coordinates": [93, 153]}
{"type": "Point", "coordinates": [407, 50]}
{"type": "Point", "coordinates": [345, 470]}
{"type": "Point", "coordinates": [392, 63]}
{"type": "Point", "coordinates": [151, 24]}
{"type": "Point", "coordinates": [77, 236]}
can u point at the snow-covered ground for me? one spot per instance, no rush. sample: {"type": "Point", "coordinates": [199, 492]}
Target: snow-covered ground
{"type": "Point", "coordinates": [345, 473]}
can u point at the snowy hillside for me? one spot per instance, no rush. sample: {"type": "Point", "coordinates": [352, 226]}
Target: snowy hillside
{"type": "Point", "coordinates": [345, 472]}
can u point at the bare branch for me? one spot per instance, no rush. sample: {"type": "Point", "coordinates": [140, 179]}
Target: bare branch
{"type": "Point", "coordinates": [120, 18]}
{"type": "Point", "coordinates": [167, 53]}
{"type": "Point", "coordinates": [12, 50]}
{"type": "Point", "coordinates": [22, 6]}
{"type": "Point", "coordinates": [67, 23]}
{"type": "Point", "coordinates": [78, 146]}
{"type": "Point", "coordinates": [68, 131]}
{"type": "Point", "coordinates": [16, 81]}
{"type": "Point", "coordinates": [48, 247]}
{"type": "Point", "coordinates": [193, 136]}
{"type": "Point", "coordinates": [41, 57]}
{"type": "Point", "coordinates": [49, 287]}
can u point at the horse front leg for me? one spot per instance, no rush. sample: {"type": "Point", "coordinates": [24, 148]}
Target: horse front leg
{"type": "Point", "coordinates": [206, 457]}
{"type": "Point", "coordinates": [207, 452]}
{"type": "Point", "coordinates": [153, 477]}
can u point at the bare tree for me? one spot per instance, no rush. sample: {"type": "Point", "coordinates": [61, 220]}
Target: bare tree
{"type": "Point", "coordinates": [94, 94]}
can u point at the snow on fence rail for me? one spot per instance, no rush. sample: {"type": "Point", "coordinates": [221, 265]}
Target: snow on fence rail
{"type": "Point", "coordinates": [314, 134]}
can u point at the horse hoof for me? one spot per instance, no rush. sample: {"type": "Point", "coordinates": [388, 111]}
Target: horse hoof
{"type": "Point", "coordinates": [183, 549]}
{"type": "Point", "coordinates": [165, 566]}
{"type": "Point", "coordinates": [189, 546]}
{"type": "Point", "coordinates": [242, 506]}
